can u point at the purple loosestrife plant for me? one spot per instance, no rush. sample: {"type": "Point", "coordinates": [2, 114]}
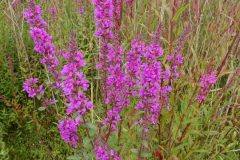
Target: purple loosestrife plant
{"type": "Point", "coordinates": [70, 80]}
{"type": "Point", "coordinates": [32, 88]}
{"type": "Point", "coordinates": [206, 81]}
{"type": "Point", "coordinates": [103, 152]}
{"type": "Point", "coordinates": [133, 65]}
{"type": "Point", "coordinates": [103, 15]}
{"type": "Point", "coordinates": [176, 59]}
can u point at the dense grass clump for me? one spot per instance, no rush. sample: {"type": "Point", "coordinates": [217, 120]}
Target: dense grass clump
{"type": "Point", "coordinates": [119, 79]}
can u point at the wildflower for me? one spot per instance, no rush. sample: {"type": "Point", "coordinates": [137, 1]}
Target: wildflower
{"type": "Point", "coordinates": [74, 82]}
{"type": "Point", "coordinates": [81, 10]}
{"type": "Point", "coordinates": [68, 130]}
{"type": "Point", "coordinates": [33, 15]}
{"type": "Point", "coordinates": [42, 39]}
{"type": "Point", "coordinates": [206, 81]}
{"type": "Point", "coordinates": [176, 58]}
{"type": "Point", "coordinates": [104, 153]}
{"type": "Point", "coordinates": [144, 76]}
{"type": "Point", "coordinates": [52, 10]}
{"type": "Point", "coordinates": [32, 88]}
{"type": "Point", "coordinates": [107, 17]}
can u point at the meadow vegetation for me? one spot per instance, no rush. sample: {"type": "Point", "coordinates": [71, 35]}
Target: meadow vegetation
{"type": "Point", "coordinates": [206, 33]}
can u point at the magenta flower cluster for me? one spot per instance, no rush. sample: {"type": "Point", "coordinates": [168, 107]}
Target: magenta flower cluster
{"type": "Point", "coordinates": [33, 15]}
{"type": "Point", "coordinates": [32, 88]}
{"type": "Point", "coordinates": [206, 81]}
{"type": "Point", "coordinates": [104, 153]}
{"type": "Point", "coordinates": [74, 82]}
{"type": "Point", "coordinates": [68, 130]}
{"type": "Point", "coordinates": [147, 79]}
{"type": "Point", "coordinates": [103, 15]}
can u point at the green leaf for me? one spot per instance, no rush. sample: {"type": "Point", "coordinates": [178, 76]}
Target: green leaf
{"type": "Point", "coordinates": [74, 157]}
{"type": "Point", "coordinates": [41, 108]}
{"type": "Point", "coordinates": [92, 129]}
{"type": "Point", "coordinates": [180, 11]}
{"type": "Point", "coordinates": [202, 151]}
{"type": "Point", "coordinates": [146, 155]}
{"type": "Point", "coordinates": [87, 143]}
{"type": "Point", "coordinates": [145, 143]}
{"type": "Point", "coordinates": [134, 150]}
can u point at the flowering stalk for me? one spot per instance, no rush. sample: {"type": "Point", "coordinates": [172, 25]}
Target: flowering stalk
{"type": "Point", "coordinates": [41, 38]}
{"type": "Point", "coordinates": [145, 72]}
{"type": "Point", "coordinates": [73, 84]}
{"type": "Point", "coordinates": [108, 17]}
{"type": "Point", "coordinates": [108, 21]}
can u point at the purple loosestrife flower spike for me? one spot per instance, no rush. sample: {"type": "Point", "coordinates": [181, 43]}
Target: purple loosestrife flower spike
{"type": "Point", "coordinates": [41, 38]}
{"type": "Point", "coordinates": [206, 81]}
{"type": "Point", "coordinates": [108, 17]}
{"type": "Point", "coordinates": [30, 86]}
{"type": "Point", "coordinates": [176, 59]}
{"type": "Point", "coordinates": [181, 40]}
{"type": "Point", "coordinates": [144, 79]}
{"type": "Point", "coordinates": [74, 82]}
{"type": "Point", "coordinates": [157, 34]}
{"type": "Point", "coordinates": [150, 83]}
{"type": "Point", "coordinates": [68, 130]}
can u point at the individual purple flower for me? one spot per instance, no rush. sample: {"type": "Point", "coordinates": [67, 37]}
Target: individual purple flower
{"type": "Point", "coordinates": [206, 81]}
{"type": "Point", "coordinates": [32, 88]}
{"type": "Point", "coordinates": [68, 130]}
{"type": "Point", "coordinates": [81, 10]}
